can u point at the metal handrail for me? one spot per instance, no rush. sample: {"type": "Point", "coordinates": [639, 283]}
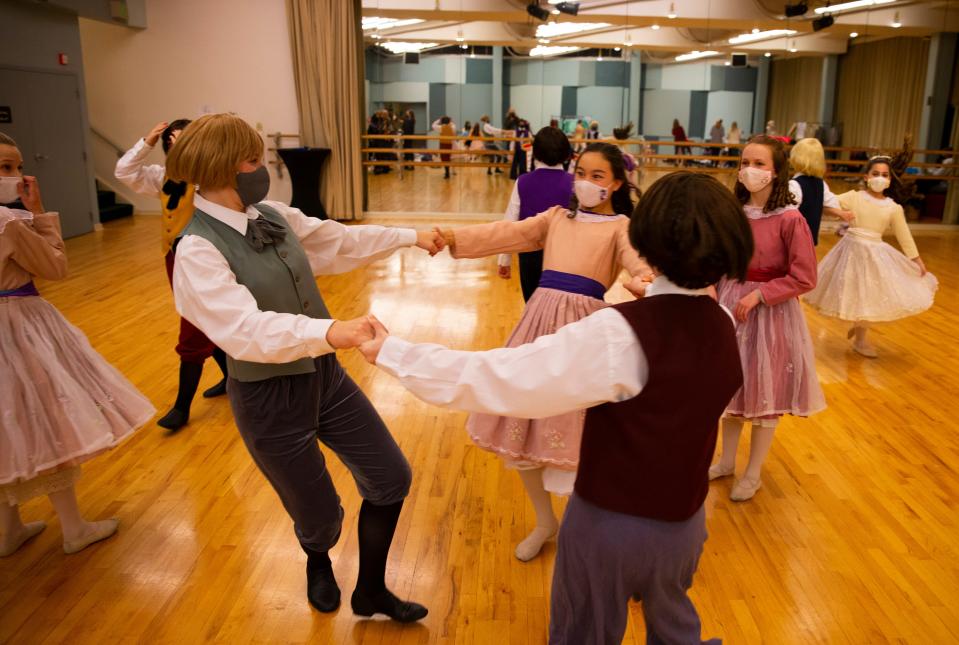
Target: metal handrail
{"type": "Point", "coordinates": [117, 149]}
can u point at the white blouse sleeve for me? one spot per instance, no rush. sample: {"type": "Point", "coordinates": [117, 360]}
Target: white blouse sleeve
{"type": "Point", "coordinates": [207, 294]}
{"type": "Point", "coordinates": [829, 199]}
{"type": "Point", "coordinates": [336, 248]}
{"type": "Point", "coordinates": [586, 363]}
{"type": "Point", "coordinates": [132, 171]}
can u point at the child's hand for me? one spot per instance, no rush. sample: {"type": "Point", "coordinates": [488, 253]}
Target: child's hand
{"type": "Point", "coordinates": [347, 334]}
{"type": "Point", "coordinates": [371, 348]}
{"type": "Point", "coordinates": [29, 192]}
{"type": "Point", "coordinates": [637, 285]}
{"type": "Point", "coordinates": [505, 272]}
{"type": "Point", "coordinates": [747, 304]}
{"type": "Point", "coordinates": [847, 216]}
{"type": "Point", "coordinates": [449, 238]}
{"type": "Point", "coordinates": [154, 135]}
{"type": "Point", "coordinates": [430, 241]}
{"type": "Point", "coordinates": [920, 264]}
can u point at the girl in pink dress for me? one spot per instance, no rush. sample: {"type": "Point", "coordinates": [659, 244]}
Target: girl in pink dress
{"type": "Point", "coordinates": [774, 343]}
{"type": "Point", "coordinates": [61, 402]}
{"type": "Point", "coordinates": [585, 249]}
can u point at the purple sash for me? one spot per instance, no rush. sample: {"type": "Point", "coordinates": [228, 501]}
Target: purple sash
{"type": "Point", "coordinates": [572, 283]}
{"type": "Point", "coordinates": [29, 289]}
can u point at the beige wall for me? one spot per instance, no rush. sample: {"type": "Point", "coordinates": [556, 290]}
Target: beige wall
{"type": "Point", "coordinates": [214, 55]}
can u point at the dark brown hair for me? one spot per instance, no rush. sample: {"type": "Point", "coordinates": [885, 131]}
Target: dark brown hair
{"type": "Point", "coordinates": [551, 146]}
{"type": "Point", "coordinates": [621, 199]}
{"type": "Point", "coordinates": [895, 189]}
{"type": "Point", "coordinates": [691, 229]}
{"type": "Point", "coordinates": [780, 196]}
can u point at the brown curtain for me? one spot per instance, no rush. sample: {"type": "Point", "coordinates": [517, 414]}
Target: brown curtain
{"type": "Point", "coordinates": [880, 90]}
{"type": "Point", "coordinates": [795, 85]}
{"type": "Point", "coordinates": [328, 70]}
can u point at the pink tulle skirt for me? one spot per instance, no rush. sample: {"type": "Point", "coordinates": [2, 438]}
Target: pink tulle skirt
{"type": "Point", "coordinates": [779, 368]}
{"type": "Point", "coordinates": [62, 403]}
{"type": "Point", "coordinates": [549, 442]}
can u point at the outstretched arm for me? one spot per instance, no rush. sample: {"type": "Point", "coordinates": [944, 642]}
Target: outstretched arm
{"type": "Point", "coordinates": [586, 363]}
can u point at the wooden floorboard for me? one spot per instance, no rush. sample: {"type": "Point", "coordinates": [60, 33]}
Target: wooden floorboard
{"type": "Point", "coordinates": [853, 538]}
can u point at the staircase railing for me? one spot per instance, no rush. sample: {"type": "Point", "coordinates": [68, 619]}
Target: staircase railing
{"type": "Point", "coordinates": [116, 148]}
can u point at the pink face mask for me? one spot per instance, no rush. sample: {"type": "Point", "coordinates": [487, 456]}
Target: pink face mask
{"type": "Point", "coordinates": [755, 179]}
{"type": "Point", "coordinates": [589, 194]}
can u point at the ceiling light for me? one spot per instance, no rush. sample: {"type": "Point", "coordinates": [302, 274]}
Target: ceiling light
{"type": "Point", "coordinates": [464, 46]}
{"type": "Point", "coordinates": [728, 64]}
{"type": "Point", "coordinates": [374, 22]}
{"type": "Point", "coordinates": [768, 54]}
{"type": "Point", "coordinates": [798, 9]}
{"type": "Point", "coordinates": [555, 12]}
{"type": "Point", "coordinates": [599, 59]}
{"type": "Point", "coordinates": [761, 35]}
{"type": "Point", "coordinates": [375, 36]}
{"type": "Point", "coordinates": [672, 11]}
{"type": "Point", "coordinates": [655, 27]}
{"type": "Point", "coordinates": [537, 11]}
{"type": "Point", "coordinates": [793, 50]}
{"type": "Point", "coordinates": [755, 30]}
{"type": "Point", "coordinates": [617, 49]}
{"type": "Point", "coordinates": [854, 34]}
{"type": "Point", "coordinates": [551, 51]}
{"type": "Point", "coordinates": [565, 28]}
{"type": "Point", "coordinates": [823, 22]}
{"type": "Point", "coordinates": [896, 23]}
{"type": "Point", "coordinates": [402, 48]}
{"type": "Point", "coordinates": [846, 6]}
{"type": "Point", "coordinates": [694, 55]}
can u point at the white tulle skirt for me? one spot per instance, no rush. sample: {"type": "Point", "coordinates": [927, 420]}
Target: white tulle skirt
{"type": "Point", "coordinates": [864, 279]}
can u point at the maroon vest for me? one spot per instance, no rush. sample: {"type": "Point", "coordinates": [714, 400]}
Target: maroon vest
{"type": "Point", "coordinates": [649, 456]}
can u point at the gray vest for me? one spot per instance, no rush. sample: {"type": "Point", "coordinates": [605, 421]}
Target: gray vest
{"type": "Point", "coordinates": [279, 277]}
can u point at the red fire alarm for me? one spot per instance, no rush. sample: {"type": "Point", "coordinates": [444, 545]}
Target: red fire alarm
{"type": "Point", "coordinates": [63, 59]}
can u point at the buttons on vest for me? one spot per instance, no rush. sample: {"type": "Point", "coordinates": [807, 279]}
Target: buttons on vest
{"type": "Point", "coordinates": [296, 278]}
{"type": "Point", "coordinates": [306, 305]}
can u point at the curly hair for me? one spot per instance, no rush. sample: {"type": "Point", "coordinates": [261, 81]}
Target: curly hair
{"type": "Point", "coordinates": [895, 189]}
{"type": "Point", "coordinates": [622, 198]}
{"type": "Point", "coordinates": [780, 195]}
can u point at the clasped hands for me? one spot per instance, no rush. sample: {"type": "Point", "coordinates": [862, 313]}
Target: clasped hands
{"type": "Point", "coordinates": [366, 333]}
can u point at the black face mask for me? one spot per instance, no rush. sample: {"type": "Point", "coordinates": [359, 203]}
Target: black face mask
{"type": "Point", "coordinates": [252, 187]}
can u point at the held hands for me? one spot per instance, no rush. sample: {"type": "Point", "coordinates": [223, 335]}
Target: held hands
{"type": "Point", "coordinates": [154, 135]}
{"type": "Point", "coordinates": [847, 216]}
{"type": "Point", "coordinates": [637, 285]}
{"type": "Point", "coordinates": [347, 334]}
{"type": "Point", "coordinates": [371, 348]}
{"type": "Point", "coordinates": [29, 192]}
{"type": "Point", "coordinates": [449, 238]}
{"type": "Point", "coordinates": [747, 304]}
{"type": "Point", "coordinates": [430, 241]}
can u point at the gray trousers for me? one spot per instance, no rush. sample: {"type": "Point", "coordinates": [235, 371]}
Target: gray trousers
{"type": "Point", "coordinates": [281, 419]}
{"type": "Point", "coordinates": [606, 558]}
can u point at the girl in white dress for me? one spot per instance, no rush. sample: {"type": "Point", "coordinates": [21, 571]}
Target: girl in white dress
{"type": "Point", "coordinates": [865, 280]}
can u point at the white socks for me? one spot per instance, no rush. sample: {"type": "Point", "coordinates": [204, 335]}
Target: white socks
{"type": "Point", "coordinates": [546, 522]}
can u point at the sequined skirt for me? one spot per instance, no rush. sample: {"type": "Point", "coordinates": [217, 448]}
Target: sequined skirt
{"type": "Point", "coordinates": [779, 368]}
{"type": "Point", "coordinates": [62, 403]}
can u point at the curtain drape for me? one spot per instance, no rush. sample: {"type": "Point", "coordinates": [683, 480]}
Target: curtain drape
{"type": "Point", "coordinates": [795, 85]}
{"type": "Point", "coordinates": [328, 64]}
{"type": "Point", "coordinates": [880, 90]}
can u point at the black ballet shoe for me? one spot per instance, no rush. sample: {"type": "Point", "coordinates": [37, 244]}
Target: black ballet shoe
{"type": "Point", "coordinates": [384, 602]}
{"type": "Point", "coordinates": [321, 589]}
{"type": "Point", "coordinates": [217, 390]}
{"type": "Point", "coordinates": [174, 419]}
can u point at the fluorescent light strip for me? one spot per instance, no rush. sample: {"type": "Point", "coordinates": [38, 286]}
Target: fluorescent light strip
{"type": "Point", "coordinates": [551, 51]}
{"type": "Point", "coordinates": [846, 6]}
{"type": "Point", "coordinates": [553, 29]}
{"type": "Point", "coordinates": [760, 35]}
{"type": "Point", "coordinates": [403, 48]}
{"type": "Point", "coordinates": [375, 22]}
{"type": "Point", "coordinates": [696, 55]}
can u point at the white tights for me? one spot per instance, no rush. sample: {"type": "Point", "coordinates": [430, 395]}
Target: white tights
{"type": "Point", "coordinates": [763, 431]}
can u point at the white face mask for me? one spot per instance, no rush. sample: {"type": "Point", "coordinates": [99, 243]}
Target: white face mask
{"type": "Point", "coordinates": [589, 194]}
{"type": "Point", "coordinates": [878, 184]}
{"type": "Point", "coordinates": [755, 179]}
{"type": "Point", "coordinates": [8, 189]}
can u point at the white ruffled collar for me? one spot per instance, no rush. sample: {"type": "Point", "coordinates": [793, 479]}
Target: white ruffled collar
{"type": "Point", "coordinates": [756, 212]}
{"type": "Point", "coordinates": [596, 218]}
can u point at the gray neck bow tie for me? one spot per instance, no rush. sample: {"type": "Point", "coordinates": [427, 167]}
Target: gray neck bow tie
{"type": "Point", "coordinates": [261, 231]}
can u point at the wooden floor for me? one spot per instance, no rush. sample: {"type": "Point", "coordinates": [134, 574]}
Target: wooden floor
{"type": "Point", "coordinates": [854, 537]}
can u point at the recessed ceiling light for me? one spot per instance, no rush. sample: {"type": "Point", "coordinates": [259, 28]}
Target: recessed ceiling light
{"type": "Point", "coordinates": [793, 50]}
{"type": "Point", "coordinates": [768, 54]}
{"type": "Point", "coordinates": [896, 23]}
{"type": "Point", "coordinates": [655, 27]}
{"type": "Point", "coordinates": [672, 11]}
{"type": "Point", "coordinates": [617, 49]}
{"type": "Point", "coordinates": [854, 34]}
